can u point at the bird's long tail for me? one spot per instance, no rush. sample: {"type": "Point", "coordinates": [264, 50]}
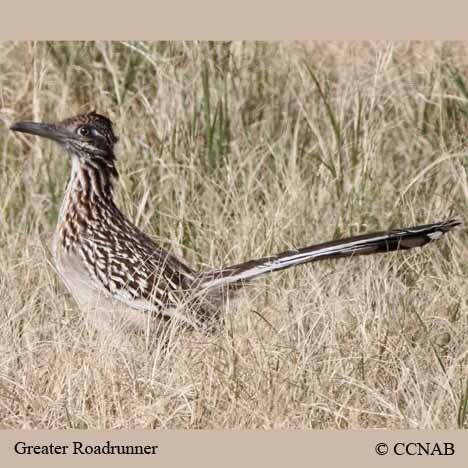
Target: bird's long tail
{"type": "Point", "coordinates": [379, 242]}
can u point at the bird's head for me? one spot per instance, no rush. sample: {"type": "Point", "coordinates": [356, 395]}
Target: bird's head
{"type": "Point", "coordinates": [87, 137]}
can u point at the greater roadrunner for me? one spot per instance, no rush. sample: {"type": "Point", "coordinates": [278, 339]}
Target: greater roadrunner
{"type": "Point", "coordinates": [112, 269]}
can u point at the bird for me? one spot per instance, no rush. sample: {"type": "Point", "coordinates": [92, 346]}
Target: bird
{"type": "Point", "coordinates": [119, 276]}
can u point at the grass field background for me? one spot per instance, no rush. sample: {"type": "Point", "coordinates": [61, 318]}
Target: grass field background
{"type": "Point", "coordinates": [230, 151]}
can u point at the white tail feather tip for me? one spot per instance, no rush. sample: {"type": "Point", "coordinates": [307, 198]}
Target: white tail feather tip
{"type": "Point", "coordinates": [435, 235]}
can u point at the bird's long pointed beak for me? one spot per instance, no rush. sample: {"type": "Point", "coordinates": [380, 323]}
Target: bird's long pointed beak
{"type": "Point", "coordinates": [44, 130]}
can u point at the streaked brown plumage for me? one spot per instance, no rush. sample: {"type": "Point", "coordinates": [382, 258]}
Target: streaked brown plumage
{"type": "Point", "coordinates": [114, 270]}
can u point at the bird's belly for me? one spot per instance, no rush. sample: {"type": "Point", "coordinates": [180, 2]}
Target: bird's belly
{"type": "Point", "coordinates": [101, 310]}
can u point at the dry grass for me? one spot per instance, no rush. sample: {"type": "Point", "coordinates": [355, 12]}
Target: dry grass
{"type": "Point", "coordinates": [231, 151]}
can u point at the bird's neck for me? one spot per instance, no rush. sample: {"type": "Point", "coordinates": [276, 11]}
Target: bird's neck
{"type": "Point", "coordinates": [88, 200]}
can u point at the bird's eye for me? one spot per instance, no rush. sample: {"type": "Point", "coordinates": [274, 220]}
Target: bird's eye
{"type": "Point", "coordinates": [84, 131]}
